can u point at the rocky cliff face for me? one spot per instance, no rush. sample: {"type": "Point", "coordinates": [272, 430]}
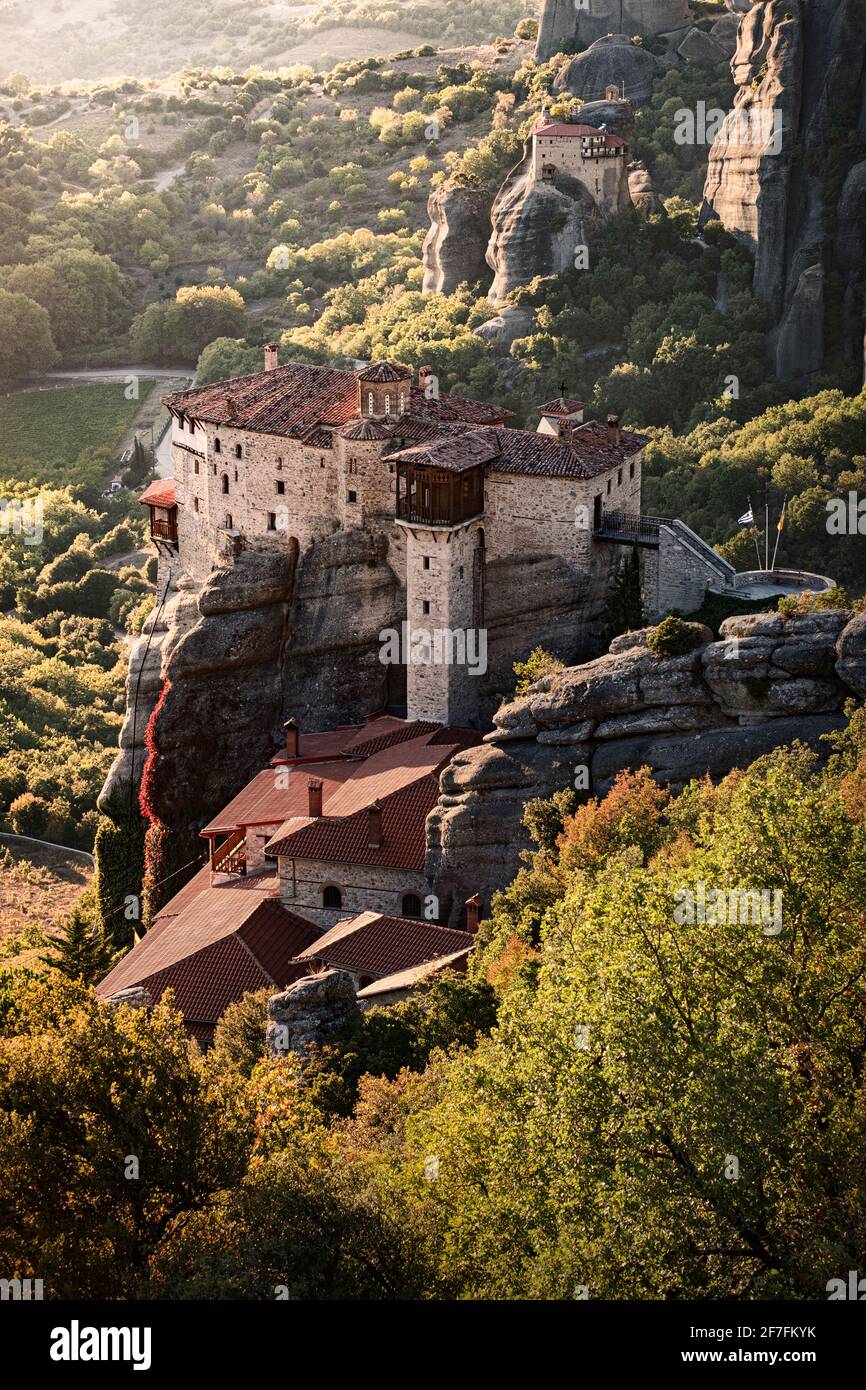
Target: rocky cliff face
{"type": "Point", "coordinates": [563, 20]}
{"type": "Point", "coordinates": [453, 248]}
{"type": "Point", "coordinates": [268, 637]}
{"type": "Point", "coordinates": [612, 60]}
{"type": "Point", "coordinates": [787, 174]}
{"type": "Point", "coordinates": [536, 227]}
{"type": "Point", "coordinates": [767, 681]}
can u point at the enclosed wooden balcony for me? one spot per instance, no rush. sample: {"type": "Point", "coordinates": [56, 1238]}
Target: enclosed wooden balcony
{"type": "Point", "coordinates": [163, 524]}
{"type": "Point", "coordinates": [439, 496]}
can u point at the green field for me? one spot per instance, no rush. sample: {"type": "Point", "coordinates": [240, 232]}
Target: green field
{"type": "Point", "coordinates": [43, 433]}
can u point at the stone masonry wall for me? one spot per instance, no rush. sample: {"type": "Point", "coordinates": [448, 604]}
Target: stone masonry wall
{"type": "Point", "coordinates": [363, 889]}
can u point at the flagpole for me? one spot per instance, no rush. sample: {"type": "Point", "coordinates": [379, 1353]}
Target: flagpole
{"type": "Point", "coordinates": [779, 530]}
{"type": "Point", "coordinates": [766, 530]}
{"type": "Point", "coordinates": [755, 531]}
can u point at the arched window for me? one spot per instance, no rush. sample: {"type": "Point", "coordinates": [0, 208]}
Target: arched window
{"type": "Point", "coordinates": [229, 522]}
{"type": "Point", "coordinates": [239, 452]}
{"type": "Point", "coordinates": [387, 404]}
{"type": "Point", "coordinates": [411, 905]}
{"type": "Point", "coordinates": [402, 401]}
{"type": "Point", "coordinates": [217, 447]}
{"type": "Point", "coordinates": [369, 402]}
{"type": "Point", "coordinates": [331, 896]}
{"type": "Point", "coordinates": [225, 482]}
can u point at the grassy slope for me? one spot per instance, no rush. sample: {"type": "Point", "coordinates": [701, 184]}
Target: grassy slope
{"type": "Point", "coordinates": [43, 432]}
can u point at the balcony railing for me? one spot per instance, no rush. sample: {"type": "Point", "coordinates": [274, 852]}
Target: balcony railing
{"type": "Point", "coordinates": [164, 530]}
{"type": "Point", "coordinates": [628, 528]}
{"type": "Point", "coordinates": [231, 856]}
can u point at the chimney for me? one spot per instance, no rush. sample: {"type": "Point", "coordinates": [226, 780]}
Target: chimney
{"type": "Point", "coordinates": [474, 909]}
{"type": "Point", "coordinates": [374, 825]}
{"type": "Point", "coordinates": [613, 429]}
{"type": "Point", "coordinates": [230, 405]}
{"type": "Point", "coordinates": [291, 732]}
{"type": "Point", "coordinates": [314, 787]}
{"type": "Point", "coordinates": [271, 359]}
{"type": "Point", "coordinates": [566, 428]}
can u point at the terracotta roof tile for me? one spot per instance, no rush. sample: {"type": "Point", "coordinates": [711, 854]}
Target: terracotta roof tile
{"type": "Point", "coordinates": [294, 399]}
{"type": "Point", "coordinates": [562, 406]}
{"type": "Point", "coordinates": [371, 944]}
{"type": "Point", "coordinates": [345, 839]}
{"type": "Point", "coordinates": [383, 371]}
{"type": "Point", "coordinates": [266, 801]}
{"type": "Point", "coordinates": [567, 131]}
{"type": "Point", "coordinates": [529, 452]}
{"type": "Point", "coordinates": [160, 493]}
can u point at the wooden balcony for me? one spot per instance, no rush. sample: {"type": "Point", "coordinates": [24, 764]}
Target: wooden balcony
{"type": "Point", "coordinates": [438, 496]}
{"type": "Point", "coordinates": [231, 856]}
{"type": "Point", "coordinates": [163, 528]}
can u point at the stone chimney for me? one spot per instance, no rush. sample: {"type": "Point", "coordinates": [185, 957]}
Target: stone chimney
{"type": "Point", "coordinates": [231, 403]}
{"type": "Point", "coordinates": [613, 434]}
{"type": "Point", "coordinates": [271, 357]}
{"type": "Point", "coordinates": [474, 909]}
{"type": "Point", "coordinates": [291, 731]}
{"type": "Point", "coordinates": [374, 825]}
{"type": "Point", "coordinates": [314, 787]}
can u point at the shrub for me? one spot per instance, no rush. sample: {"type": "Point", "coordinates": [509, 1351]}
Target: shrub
{"type": "Point", "coordinates": [675, 637]}
{"type": "Point", "coordinates": [539, 663]}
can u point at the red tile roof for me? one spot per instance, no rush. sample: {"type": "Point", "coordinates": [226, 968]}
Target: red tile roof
{"type": "Point", "coordinates": [297, 398]}
{"type": "Point", "coordinates": [160, 493]}
{"type": "Point", "coordinates": [566, 131]}
{"type": "Point", "coordinates": [345, 839]}
{"type": "Point", "coordinates": [266, 883]}
{"type": "Point", "coordinates": [370, 944]}
{"type": "Point", "coordinates": [530, 452]}
{"type": "Point", "coordinates": [383, 371]}
{"type": "Point", "coordinates": [562, 406]}
{"type": "Point", "coordinates": [221, 944]}
{"type": "Point", "coordinates": [265, 801]}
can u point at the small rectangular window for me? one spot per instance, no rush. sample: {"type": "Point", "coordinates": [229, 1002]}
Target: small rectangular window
{"type": "Point", "coordinates": [195, 504]}
{"type": "Point", "coordinates": [631, 470]}
{"type": "Point", "coordinates": [281, 486]}
{"type": "Point", "coordinates": [609, 485]}
{"type": "Point", "coordinates": [619, 477]}
{"type": "Point", "coordinates": [425, 605]}
{"type": "Point", "coordinates": [272, 521]}
{"type": "Point", "coordinates": [279, 465]}
{"type": "Point", "coordinates": [195, 465]}
{"type": "Point", "coordinates": [353, 496]}
{"type": "Point", "coordinates": [426, 562]}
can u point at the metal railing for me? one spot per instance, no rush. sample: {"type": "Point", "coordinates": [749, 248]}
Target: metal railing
{"type": "Point", "coordinates": [629, 526]}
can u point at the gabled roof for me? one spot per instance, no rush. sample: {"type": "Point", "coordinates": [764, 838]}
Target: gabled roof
{"type": "Point", "coordinates": [562, 407]}
{"type": "Point", "coordinates": [225, 941]}
{"type": "Point", "coordinates": [276, 794]}
{"type": "Point", "coordinates": [415, 975]}
{"type": "Point", "coordinates": [160, 493]}
{"type": "Point", "coordinates": [301, 401]}
{"type": "Point", "coordinates": [344, 839]}
{"type": "Point", "coordinates": [589, 451]}
{"type": "Point", "coordinates": [564, 130]}
{"type": "Point", "coordinates": [371, 944]}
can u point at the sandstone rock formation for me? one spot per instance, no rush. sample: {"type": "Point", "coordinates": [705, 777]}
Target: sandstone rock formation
{"type": "Point", "coordinates": [642, 191]}
{"type": "Point", "coordinates": [786, 174]}
{"type": "Point", "coordinates": [612, 60]}
{"type": "Point", "coordinates": [264, 639]}
{"type": "Point", "coordinates": [536, 230]}
{"type": "Point", "coordinates": [563, 21]}
{"type": "Point", "coordinates": [453, 250]}
{"type": "Point", "coordinates": [769, 680]}
{"type": "Point", "coordinates": [312, 1012]}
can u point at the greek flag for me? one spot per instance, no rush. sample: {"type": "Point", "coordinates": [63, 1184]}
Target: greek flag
{"type": "Point", "coordinates": [747, 519]}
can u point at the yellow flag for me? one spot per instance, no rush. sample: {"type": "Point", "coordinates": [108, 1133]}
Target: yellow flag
{"type": "Point", "coordinates": [781, 525]}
